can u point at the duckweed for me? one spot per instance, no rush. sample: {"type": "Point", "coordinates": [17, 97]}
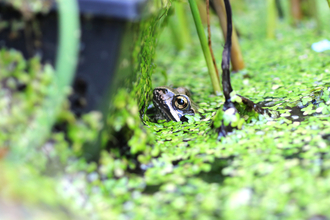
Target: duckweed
{"type": "Point", "coordinates": [271, 168]}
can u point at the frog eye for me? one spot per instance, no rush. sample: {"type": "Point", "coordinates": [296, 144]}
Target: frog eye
{"type": "Point", "coordinates": [181, 102]}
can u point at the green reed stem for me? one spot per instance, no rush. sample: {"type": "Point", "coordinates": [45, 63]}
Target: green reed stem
{"type": "Point", "coordinates": [40, 127]}
{"type": "Point", "coordinates": [271, 19]}
{"type": "Point", "coordinates": [204, 44]}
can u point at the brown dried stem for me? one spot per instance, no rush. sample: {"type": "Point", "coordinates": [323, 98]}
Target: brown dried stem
{"type": "Point", "coordinates": [209, 37]}
{"type": "Point", "coordinates": [296, 11]}
{"type": "Point", "coordinates": [236, 54]}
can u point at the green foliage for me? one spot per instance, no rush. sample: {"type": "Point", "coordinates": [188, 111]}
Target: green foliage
{"type": "Point", "coordinates": [29, 7]}
{"type": "Point", "coordinates": [23, 86]}
{"type": "Point", "coordinates": [21, 192]}
{"type": "Point", "coordinates": [123, 129]}
{"type": "Point", "coordinates": [274, 167]}
{"type": "Point", "coordinates": [124, 124]}
{"type": "Point", "coordinates": [143, 55]}
{"type": "Point", "coordinates": [84, 130]}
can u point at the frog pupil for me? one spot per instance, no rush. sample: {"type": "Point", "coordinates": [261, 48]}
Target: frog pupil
{"type": "Point", "coordinates": [180, 101]}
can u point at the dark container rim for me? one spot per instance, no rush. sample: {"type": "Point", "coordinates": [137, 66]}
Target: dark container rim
{"type": "Point", "coordinates": [121, 9]}
{"type": "Point", "coordinates": [130, 10]}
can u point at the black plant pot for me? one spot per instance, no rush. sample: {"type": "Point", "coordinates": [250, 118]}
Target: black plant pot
{"type": "Point", "coordinates": [108, 28]}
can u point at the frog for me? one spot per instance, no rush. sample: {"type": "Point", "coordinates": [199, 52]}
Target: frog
{"type": "Point", "coordinates": [173, 104]}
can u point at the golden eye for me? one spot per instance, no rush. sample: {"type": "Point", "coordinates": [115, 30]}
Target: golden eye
{"type": "Point", "coordinates": [181, 102]}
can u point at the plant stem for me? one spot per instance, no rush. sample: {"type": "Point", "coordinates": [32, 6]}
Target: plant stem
{"type": "Point", "coordinates": [181, 14]}
{"type": "Point", "coordinates": [310, 11]}
{"type": "Point", "coordinates": [209, 36]}
{"type": "Point", "coordinates": [271, 19]}
{"type": "Point", "coordinates": [204, 45]}
{"type": "Point", "coordinates": [178, 25]}
{"type": "Point", "coordinates": [236, 54]}
{"type": "Point", "coordinates": [66, 60]}
{"type": "Point", "coordinates": [202, 12]}
{"type": "Point", "coordinates": [176, 33]}
{"type": "Point", "coordinates": [225, 65]}
{"type": "Point", "coordinates": [296, 11]}
{"type": "Point", "coordinates": [279, 8]}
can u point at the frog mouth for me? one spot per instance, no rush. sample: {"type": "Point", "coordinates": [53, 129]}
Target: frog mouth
{"type": "Point", "coordinates": [167, 111]}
